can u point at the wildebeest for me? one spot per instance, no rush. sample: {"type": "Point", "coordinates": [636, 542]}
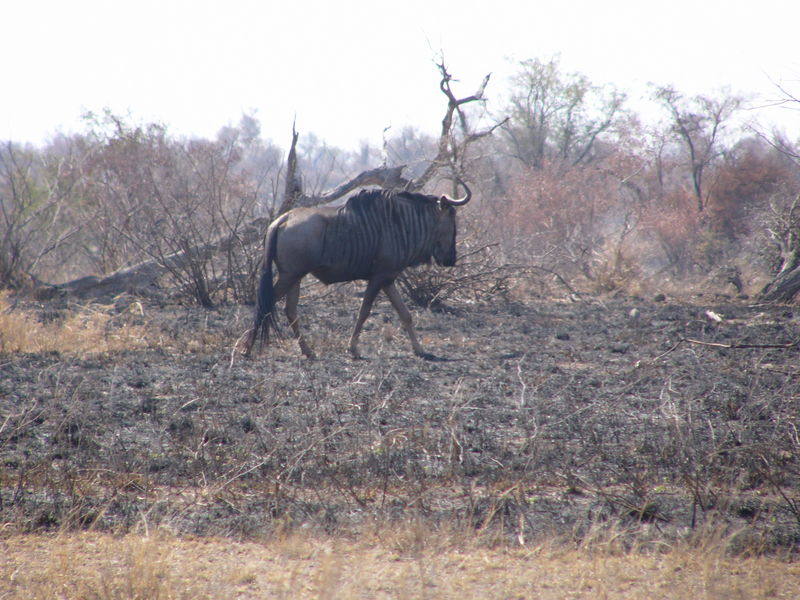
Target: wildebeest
{"type": "Point", "coordinates": [373, 236]}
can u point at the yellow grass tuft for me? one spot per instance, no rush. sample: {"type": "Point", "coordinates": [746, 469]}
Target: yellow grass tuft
{"type": "Point", "coordinates": [91, 329]}
{"type": "Point", "coordinates": [92, 565]}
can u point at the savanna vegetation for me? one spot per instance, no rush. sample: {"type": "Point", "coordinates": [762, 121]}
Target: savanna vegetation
{"type": "Point", "coordinates": [572, 183]}
{"type": "Point", "coordinates": [617, 415]}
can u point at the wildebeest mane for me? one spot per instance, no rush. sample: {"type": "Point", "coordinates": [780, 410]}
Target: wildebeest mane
{"type": "Point", "coordinates": [371, 199]}
{"type": "Point", "coordinates": [402, 220]}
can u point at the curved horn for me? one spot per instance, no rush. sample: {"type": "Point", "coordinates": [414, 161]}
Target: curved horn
{"type": "Point", "coordinates": [459, 201]}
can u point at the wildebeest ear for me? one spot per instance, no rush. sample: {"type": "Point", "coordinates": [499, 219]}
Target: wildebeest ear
{"type": "Point", "coordinates": [444, 203]}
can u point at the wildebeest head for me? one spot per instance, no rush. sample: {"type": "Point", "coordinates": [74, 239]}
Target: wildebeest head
{"type": "Point", "coordinates": [444, 247]}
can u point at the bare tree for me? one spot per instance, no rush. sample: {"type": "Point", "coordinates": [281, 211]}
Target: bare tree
{"type": "Point", "coordinates": [554, 116]}
{"type": "Point", "coordinates": [699, 123]}
{"type": "Point", "coordinates": [454, 141]}
{"type": "Point", "coordinates": [451, 151]}
{"type": "Point", "coordinates": [34, 196]}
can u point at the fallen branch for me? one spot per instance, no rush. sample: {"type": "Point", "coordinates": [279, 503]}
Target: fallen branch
{"type": "Point", "coordinates": [786, 346]}
{"type": "Point", "coordinates": [639, 363]}
{"type": "Point", "coordinates": [145, 275]}
{"type": "Point", "coordinates": [742, 346]}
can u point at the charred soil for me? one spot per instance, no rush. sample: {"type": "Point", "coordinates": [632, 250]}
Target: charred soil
{"type": "Point", "coordinates": [656, 420]}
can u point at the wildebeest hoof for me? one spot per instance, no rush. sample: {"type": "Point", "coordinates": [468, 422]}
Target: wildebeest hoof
{"type": "Point", "coordinates": [428, 356]}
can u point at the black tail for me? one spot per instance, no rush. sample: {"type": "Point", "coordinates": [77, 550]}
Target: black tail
{"type": "Point", "coordinates": [265, 298]}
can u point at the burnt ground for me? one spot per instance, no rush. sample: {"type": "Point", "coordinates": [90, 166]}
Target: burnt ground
{"type": "Point", "coordinates": [545, 418]}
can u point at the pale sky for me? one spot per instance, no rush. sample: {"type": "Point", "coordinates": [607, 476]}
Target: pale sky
{"type": "Point", "coordinates": [348, 69]}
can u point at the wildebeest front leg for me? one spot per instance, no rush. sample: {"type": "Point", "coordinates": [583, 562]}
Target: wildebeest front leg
{"type": "Point", "coordinates": [373, 287]}
{"type": "Point", "coordinates": [405, 319]}
{"type": "Point", "coordinates": [292, 298]}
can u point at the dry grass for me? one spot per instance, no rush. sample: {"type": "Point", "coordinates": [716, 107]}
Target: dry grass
{"type": "Point", "coordinates": [90, 329]}
{"type": "Point", "coordinates": [90, 565]}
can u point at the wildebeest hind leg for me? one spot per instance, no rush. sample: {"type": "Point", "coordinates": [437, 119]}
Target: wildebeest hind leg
{"type": "Point", "coordinates": [405, 319]}
{"type": "Point", "coordinates": [292, 298]}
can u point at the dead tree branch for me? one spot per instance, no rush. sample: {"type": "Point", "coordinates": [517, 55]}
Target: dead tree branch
{"type": "Point", "coordinates": [448, 150]}
{"type": "Point", "coordinates": [384, 177]}
{"type": "Point", "coordinates": [294, 186]}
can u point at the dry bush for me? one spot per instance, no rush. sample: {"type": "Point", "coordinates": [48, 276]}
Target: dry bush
{"type": "Point", "coordinates": [675, 225]}
{"type": "Point", "coordinates": [123, 194]}
{"type": "Point", "coordinates": [154, 203]}
{"type": "Point", "coordinates": [557, 207]}
{"type": "Point", "coordinates": [743, 183]}
{"type": "Point", "coordinates": [574, 221]}
{"type": "Point", "coordinates": [632, 214]}
{"type": "Point", "coordinates": [479, 276]}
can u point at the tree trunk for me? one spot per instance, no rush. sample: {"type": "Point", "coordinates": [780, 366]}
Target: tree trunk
{"type": "Point", "coordinates": [146, 275]}
{"type": "Point", "coordinates": [786, 285]}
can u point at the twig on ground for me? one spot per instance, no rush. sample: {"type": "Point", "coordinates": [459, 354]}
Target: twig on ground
{"type": "Point", "coordinates": [734, 346]}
